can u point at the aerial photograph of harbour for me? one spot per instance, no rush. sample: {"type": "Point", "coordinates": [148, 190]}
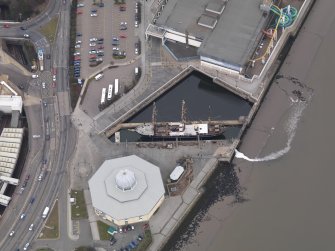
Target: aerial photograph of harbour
{"type": "Point", "coordinates": [166, 125]}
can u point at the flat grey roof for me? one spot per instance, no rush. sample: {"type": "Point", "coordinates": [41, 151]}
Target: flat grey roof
{"type": "Point", "coordinates": [234, 36]}
{"type": "Point", "coordinates": [182, 15]}
{"type": "Point", "coordinates": [109, 199]}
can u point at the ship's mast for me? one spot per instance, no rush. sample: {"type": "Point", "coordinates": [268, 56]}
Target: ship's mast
{"type": "Point", "coordinates": [154, 117]}
{"type": "Point", "coordinates": [183, 112]}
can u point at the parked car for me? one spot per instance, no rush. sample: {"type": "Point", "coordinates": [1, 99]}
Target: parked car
{"type": "Point", "coordinates": [27, 177]}
{"type": "Point", "coordinates": [94, 14]}
{"type": "Point", "coordinates": [78, 42]}
{"type": "Point", "coordinates": [101, 39]}
{"type": "Point", "coordinates": [100, 47]}
{"type": "Point", "coordinates": [100, 42]}
{"type": "Point", "coordinates": [92, 52]}
{"type": "Point", "coordinates": [23, 28]}
{"type": "Point", "coordinates": [26, 246]}
{"type": "Point", "coordinates": [123, 36]}
{"type": "Point", "coordinates": [94, 10]}
{"type": "Point", "coordinates": [26, 35]}
{"type": "Point", "coordinates": [130, 227]}
{"type": "Point", "coordinates": [11, 233]}
{"type": "Point", "coordinates": [80, 5]}
{"type": "Point", "coordinates": [77, 46]}
{"type": "Point", "coordinates": [79, 12]}
{"type": "Point", "coordinates": [79, 34]}
{"type": "Point", "coordinates": [34, 76]}
{"type": "Point", "coordinates": [122, 8]}
{"type": "Point", "coordinates": [116, 49]}
{"type": "Point", "coordinates": [92, 44]}
{"type": "Point", "coordinates": [93, 39]}
{"type": "Point", "coordinates": [101, 5]}
{"type": "Point", "coordinates": [43, 85]}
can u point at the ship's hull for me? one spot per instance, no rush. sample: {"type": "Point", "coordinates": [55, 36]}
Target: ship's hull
{"type": "Point", "coordinates": [189, 137]}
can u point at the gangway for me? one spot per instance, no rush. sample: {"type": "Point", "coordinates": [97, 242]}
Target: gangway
{"type": "Point", "coordinates": [9, 180]}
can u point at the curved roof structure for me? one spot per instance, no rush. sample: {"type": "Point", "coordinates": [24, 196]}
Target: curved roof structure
{"type": "Point", "coordinates": [126, 187]}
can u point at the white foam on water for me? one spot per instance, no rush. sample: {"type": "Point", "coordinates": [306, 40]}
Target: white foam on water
{"type": "Point", "coordinates": [291, 128]}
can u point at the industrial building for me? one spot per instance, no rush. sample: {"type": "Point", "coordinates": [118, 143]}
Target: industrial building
{"type": "Point", "coordinates": [223, 33]}
{"type": "Point", "coordinates": [126, 190]}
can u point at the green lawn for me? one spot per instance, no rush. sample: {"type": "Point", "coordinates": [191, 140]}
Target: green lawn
{"type": "Point", "coordinates": [49, 29]}
{"type": "Point", "coordinates": [51, 227]}
{"type": "Point", "coordinates": [145, 243]}
{"type": "Point", "coordinates": [103, 227]}
{"type": "Point", "coordinates": [78, 209]}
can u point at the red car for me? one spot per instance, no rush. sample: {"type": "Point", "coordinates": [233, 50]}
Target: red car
{"type": "Point", "coordinates": [92, 56]}
{"type": "Point", "coordinates": [27, 177]}
{"type": "Point", "coordinates": [77, 58]}
{"type": "Point", "coordinates": [6, 26]}
{"type": "Point", "coordinates": [100, 47]}
{"type": "Point", "coordinates": [123, 36]}
{"type": "Point", "coordinates": [79, 12]}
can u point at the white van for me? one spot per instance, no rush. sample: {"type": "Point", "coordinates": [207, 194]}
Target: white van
{"type": "Point", "coordinates": [99, 76]}
{"type": "Point", "coordinates": [136, 71]}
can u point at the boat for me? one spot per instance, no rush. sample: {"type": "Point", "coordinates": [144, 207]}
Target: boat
{"type": "Point", "coordinates": [183, 129]}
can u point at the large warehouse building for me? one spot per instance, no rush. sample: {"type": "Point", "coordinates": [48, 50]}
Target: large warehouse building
{"type": "Point", "coordinates": [224, 32]}
{"type": "Point", "coordinates": [126, 190]}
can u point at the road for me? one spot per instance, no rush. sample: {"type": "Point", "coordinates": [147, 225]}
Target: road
{"type": "Point", "coordinates": [53, 113]}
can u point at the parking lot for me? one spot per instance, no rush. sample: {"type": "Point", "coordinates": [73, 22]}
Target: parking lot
{"type": "Point", "coordinates": [111, 29]}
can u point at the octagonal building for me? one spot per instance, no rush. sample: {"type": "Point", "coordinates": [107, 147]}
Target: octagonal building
{"type": "Point", "coordinates": [126, 190]}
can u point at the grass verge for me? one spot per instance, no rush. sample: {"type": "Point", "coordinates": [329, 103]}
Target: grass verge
{"type": "Point", "coordinates": [145, 243]}
{"type": "Point", "coordinates": [78, 209]}
{"type": "Point", "coordinates": [51, 227]}
{"type": "Point", "coordinates": [49, 29]}
{"type": "Point", "coordinates": [103, 227]}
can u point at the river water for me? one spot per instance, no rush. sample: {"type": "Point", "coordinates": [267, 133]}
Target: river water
{"type": "Point", "coordinates": [279, 192]}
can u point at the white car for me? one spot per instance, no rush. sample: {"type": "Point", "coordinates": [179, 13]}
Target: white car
{"type": "Point", "coordinates": [93, 39]}
{"type": "Point", "coordinates": [54, 78]}
{"type": "Point", "coordinates": [12, 233]}
{"type": "Point", "coordinates": [80, 5]}
{"type": "Point", "coordinates": [93, 44]}
{"type": "Point", "coordinates": [100, 51]}
{"type": "Point", "coordinates": [92, 52]}
{"type": "Point", "coordinates": [76, 53]}
{"type": "Point", "coordinates": [31, 227]}
{"type": "Point", "coordinates": [78, 42]}
{"type": "Point", "coordinates": [136, 51]}
{"type": "Point", "coordinates": [136, 24]}
{"type": "Point", "coordinates": [43, 85]}
{"type": "Point", "coordinates": [123, 23]}
{"type": "Point", "coordinates": [22, 216]}
{"type": "Point", "coordinates": [34, 76]}
{"type": "Point", "coordinates": [94, 14]}
{"type": "Point", "coordinates": [26, 35]}
{"type": "Point", "coordinates": [116, 49]}
{"type": "Point", "coordinates": [26, 246]}
{"type": "Point", "coordinates": [77, 46]}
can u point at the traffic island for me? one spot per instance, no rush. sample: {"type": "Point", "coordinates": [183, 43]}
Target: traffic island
{"type": "Point", "coordinates": [51, 227]}
{"type": "Point", "coordinates": [49, 30]}
{"type": "Point", "coordinates": [78, 206]}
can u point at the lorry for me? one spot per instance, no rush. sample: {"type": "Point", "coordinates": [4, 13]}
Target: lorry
{"type": "Point", "coordinates": [45, 212]}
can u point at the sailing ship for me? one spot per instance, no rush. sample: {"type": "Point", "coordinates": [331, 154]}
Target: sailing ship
{"type": "Point", "coordinates": [182, 129]}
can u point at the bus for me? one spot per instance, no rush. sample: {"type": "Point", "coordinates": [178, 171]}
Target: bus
{"type": "Point", "coordinates": [45, 212]}
{"type": "Point", "coordinates": [99, 76]}
{"type": "Point", "coordinates": [110, 92]}
{"type": "Point", "coordinates": [103, 95]}
{"type": "Point", "coordinates": [116, 86]}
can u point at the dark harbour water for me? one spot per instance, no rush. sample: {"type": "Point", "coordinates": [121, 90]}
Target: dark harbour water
{"type": "Point", "coordinates": [203, 99]}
